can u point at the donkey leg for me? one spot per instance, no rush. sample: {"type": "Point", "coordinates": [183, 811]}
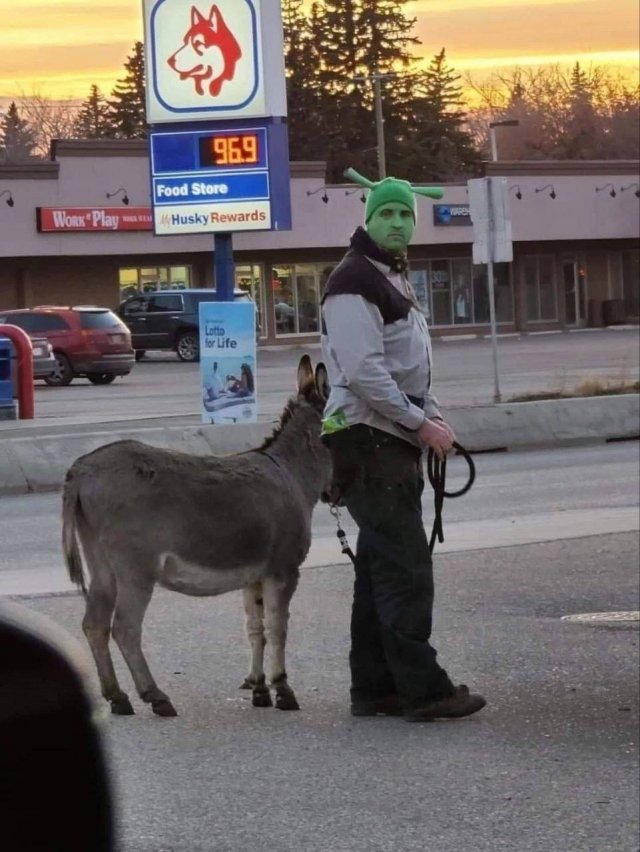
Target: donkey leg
{"type": "Point", "coordinates": [131, 604]}
{"type": "Point", "coordinates": [277, 595]}
{"type": "Point", "coordinates": [101, 599]}
{"type": "Point", "coordinates": [254, 609]}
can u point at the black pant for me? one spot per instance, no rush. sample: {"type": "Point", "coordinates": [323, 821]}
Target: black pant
{"type": "Point", "coordinates": [379, 479]}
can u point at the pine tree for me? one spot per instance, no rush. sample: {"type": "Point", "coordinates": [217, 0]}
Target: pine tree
{"type": "Point", "coordinates": [17, 142]}
{"type": "Point", "coordinates": [127, 102]}
{"type": "Point", "coordinates": [439, 145]}
{"type": "Point", "coordinates": [94, 121]}
{"type": "Point", "coordinates": [303, 95]}
{"type": "Point", "coordinates": [354, 39]}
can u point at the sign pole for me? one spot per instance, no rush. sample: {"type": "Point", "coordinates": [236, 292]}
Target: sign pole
{"type": "Point", "coordinates": [223, 266]}
{"type": "Point", "coordinates": [492, 294]}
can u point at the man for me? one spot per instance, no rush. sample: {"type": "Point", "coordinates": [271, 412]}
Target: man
{"type": "Point", "coordinates": [380, 416]}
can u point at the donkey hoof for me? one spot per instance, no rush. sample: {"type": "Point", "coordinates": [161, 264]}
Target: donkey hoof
{"type": "Point", "coordinates": [261, 699]}
{"type": "Point", "coordinates": [246, 684]}
{"type": "Point", "coordinates": [163, 707]}
{"type": "Point", "coordinates": [287, 701]}
{"type": "Point", "coordinates": [122, 706]}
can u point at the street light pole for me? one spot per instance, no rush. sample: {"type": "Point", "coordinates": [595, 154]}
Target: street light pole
{"type": "Point", "coordinates": [376, 78]}
{"type": "Point", "coordinates": [382, 157]}
{"type": "Point", "coordinates": [511, 122]}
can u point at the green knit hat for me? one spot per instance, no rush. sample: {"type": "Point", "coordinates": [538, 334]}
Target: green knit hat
{"type": "Point", "coordinates": [391, 191]}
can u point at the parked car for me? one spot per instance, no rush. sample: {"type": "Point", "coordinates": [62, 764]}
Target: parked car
{"type": "Point", "coordinates": [87, 341]}
{"type": "Point", "coordinates": [168, 320]}
{"type": "Point", "coordinates": [44, 362]}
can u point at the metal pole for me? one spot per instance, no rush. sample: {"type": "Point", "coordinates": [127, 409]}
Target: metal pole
{"type": "Point", "coordinates": [224, 269]}
{"type": "Point", "coordinates": [492, 297]}
{"type": "Point", "coordinates": [377, 89]}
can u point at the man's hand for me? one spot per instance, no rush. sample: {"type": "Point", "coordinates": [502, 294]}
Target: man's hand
{"type": "Point", "coordinates": [438, 435]}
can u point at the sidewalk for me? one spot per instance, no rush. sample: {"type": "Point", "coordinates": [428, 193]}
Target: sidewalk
{"type": "Point", "coordinates": [459, 537]}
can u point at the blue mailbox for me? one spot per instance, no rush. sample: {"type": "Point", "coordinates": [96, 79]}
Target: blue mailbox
{"type": "Point", "coordinates": [7, 405]}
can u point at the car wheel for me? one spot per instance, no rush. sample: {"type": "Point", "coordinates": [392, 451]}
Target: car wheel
{"type": "Point", "coordinates": [140, 353]}
{"type": "Point", "coordinates": [101, 378]}
{"type": "Point", "coordinates": [63, 372]}
{"type": "Point", "coordinates": [188, 346]}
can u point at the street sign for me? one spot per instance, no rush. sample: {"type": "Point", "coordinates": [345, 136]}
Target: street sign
{"type": "Point", "coordinates": [229, 176]}
{"type": "Point", "coordinates": [213, 60]}
{"type": "Point", "coordinates": [492, 232]}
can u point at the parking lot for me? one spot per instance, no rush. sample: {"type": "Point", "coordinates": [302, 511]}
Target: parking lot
{"type": "Point", "coordinates": [162, 386]}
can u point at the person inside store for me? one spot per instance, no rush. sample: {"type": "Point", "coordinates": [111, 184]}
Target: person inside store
{"type": "Point", "coordinates": [380, 417]}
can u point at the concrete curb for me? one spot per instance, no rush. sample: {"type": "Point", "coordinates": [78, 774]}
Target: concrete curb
{"type": "Point", "coordinates": [37, 464]}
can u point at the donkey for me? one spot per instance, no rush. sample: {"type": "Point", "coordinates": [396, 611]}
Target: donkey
{"type": "Point", "coordinates": [200, 525]}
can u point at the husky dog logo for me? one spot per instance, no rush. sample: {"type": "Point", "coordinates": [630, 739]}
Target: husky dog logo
{"type": "Point", "coordinates": [209, 52]}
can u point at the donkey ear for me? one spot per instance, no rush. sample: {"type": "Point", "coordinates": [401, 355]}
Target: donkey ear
{"type": "Point", "coordinates": [322, 382]}
{"type": "Point", "coordinates": [305, 374]}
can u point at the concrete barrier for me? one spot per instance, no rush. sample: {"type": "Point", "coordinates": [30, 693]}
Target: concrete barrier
{"type": "Point", "coordinates": [40, 463]}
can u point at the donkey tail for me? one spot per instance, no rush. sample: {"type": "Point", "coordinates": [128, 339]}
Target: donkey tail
{"type": "Point", "coordinates": [70, 510]}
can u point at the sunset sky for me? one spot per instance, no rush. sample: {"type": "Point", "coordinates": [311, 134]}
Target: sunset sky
{"type": "Point", "coordinates": [58, 48]}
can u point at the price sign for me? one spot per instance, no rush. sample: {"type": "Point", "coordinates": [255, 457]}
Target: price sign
{"type": "Point", "coordinates": [238, 149]}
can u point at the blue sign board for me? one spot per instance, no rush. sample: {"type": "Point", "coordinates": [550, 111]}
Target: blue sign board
{"type": "Point", "coordinates": [228, 176]}
{"type": "Point", "coordinates": [228, 362]}
{"type": "Point", "coordinates": [445, 215]}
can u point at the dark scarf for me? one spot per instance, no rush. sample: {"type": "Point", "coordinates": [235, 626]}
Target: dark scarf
{"type": "Point", "coordinates": [361, 243]}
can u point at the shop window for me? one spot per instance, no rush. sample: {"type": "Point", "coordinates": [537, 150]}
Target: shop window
{"type": "Point", "coordinates": [462, 294]}
{"type": "Point", "coordinates": [420, 284]}
{"type": "Point", "coordinates": [296, 297]}
{"type": "Point", "coordinates": [540, 287]}
{"type": "Point", "coordinates": [149, 279]}
{"type": "Point", "coordinates": [631, 282]}
{"type": "Point", "coordinates": [250, 278]}
{"type": "Point", "coordinates": [440, 280]}
{"type": "Point", "coordinates": [502, 289]}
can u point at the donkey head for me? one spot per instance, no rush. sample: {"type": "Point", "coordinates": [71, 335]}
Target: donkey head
{"type": "Point", "coordinates": [313, 387]}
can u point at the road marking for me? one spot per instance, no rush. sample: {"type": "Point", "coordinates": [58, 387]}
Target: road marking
{"type": "Point", "coordinates": [599, 618]}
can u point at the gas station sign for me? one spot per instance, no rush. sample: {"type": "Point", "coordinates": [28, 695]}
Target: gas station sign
{"type": "Point", "coordinates": [216, 101]}
{"type": "Point", "coordinates": [213, 60]}
{"type": "Point", "coordinates": [220, 179]}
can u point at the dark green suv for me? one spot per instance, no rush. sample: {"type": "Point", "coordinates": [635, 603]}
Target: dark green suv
{"type": "Point", "coordinates": [168, 319]}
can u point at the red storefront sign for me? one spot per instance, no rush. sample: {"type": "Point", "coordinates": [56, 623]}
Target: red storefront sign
{"type": "Point", "coordinates": [65, 219]}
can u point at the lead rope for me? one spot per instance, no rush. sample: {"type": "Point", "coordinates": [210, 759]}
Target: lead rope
{"type": "Point", "coordinates": [437, 473]}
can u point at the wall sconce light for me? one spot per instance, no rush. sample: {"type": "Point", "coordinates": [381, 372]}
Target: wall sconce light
{"type": "Point", "coordinates": [631, 185]}
{"type": "Point", "coordinates": [9, 200]}
{"type": "Point", "coordinates": [363, 197]}
{"type": "Point", "coordinates": [552, 194]}
{"type": "Point", "coordinates": [325, 197]}
{"type": "Point", "coordinates": [612, 191]}
{"type": "Point", "coordinates": [125, 197]}
{"type": "Point", "coordinates": [518, 191]}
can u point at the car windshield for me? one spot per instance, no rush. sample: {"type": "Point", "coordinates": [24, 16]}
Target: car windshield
{"type": "Point", "coordinates": [98, 319]}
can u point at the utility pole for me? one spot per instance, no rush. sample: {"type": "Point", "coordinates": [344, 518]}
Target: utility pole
{"type": "Point", "coordinates": [376, 78]}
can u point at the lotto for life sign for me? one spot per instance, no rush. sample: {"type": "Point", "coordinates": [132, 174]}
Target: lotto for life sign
{"type": "Point", "coordinates": [213, 60]}
{"type": "Point", "coordinates": [228, 362]}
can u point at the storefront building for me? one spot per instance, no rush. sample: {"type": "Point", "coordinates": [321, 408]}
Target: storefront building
{"type": "Point", "coordinates": [79, 232]}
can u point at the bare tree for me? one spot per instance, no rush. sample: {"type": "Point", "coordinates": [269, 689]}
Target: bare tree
{"type": "Point", "coordinates": [580, 114]}
{"type": "Point", "coordinates": [48, 119]}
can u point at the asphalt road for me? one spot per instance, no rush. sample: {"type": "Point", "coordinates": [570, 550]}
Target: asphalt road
{"type": "Point", "coordinates": [551, 765]}
{"type": "Point", "coordinates": [162, 386]}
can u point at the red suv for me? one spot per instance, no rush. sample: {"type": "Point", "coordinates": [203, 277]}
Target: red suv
{"type": "Point", "coordinates": [87, 341]}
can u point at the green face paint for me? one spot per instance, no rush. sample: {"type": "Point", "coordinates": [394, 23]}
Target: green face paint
{"type": "Point", "coordinates": [392, 227]}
